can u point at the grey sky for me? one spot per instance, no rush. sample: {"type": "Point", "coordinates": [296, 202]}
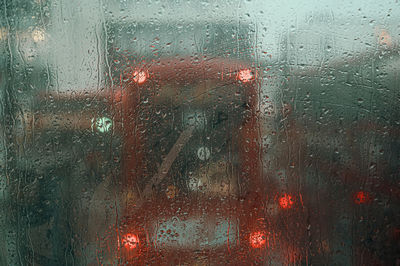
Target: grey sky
{"type": "Point", "coordinates": [77, 25]}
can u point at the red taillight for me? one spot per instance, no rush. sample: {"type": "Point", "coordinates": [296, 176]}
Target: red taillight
{"type": "Point", "coordinates": [139, 76]}
{"type": "Point", "coordinates": [286, 201]}
{"type": "Point", "coordinates": [258, 239]}
{"type": "Point", "coordinates": [361, 197]}
{"type": "Point", "coordinates": [245, 75]}
{"type": "Point", "coordinates": [130, 241]}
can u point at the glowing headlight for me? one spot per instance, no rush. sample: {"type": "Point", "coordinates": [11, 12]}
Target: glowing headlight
{"type": "Point", "coordinates": [102, 124]}
{"type": "Point", "coordinates": [38, 35]}
{"type": "Point", "coordinates": [203, 153]}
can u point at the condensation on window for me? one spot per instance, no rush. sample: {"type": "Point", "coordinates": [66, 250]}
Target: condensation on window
{"type": "Point", "coordinates": [199, 132]}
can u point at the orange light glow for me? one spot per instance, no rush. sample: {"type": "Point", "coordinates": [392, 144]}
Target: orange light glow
{"type": "Point", "coordinates": [245, 75]}
{"type": "Point", "coordinates": [286, 201]}
{"type": "Point", "coordinates": [361, 197]}
{"type": "Point", "coordinates": [385, 38]}
{"type": "Point", "coordinates": [258, 239]}
{"type": "Point", "coordinates": [139, 77]}
{"type": "Point", "coordinates": [130, 241]}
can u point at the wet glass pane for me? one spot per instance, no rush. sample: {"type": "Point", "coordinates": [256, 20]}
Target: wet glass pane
{"type": "Point", "coordinates": [199, 133]}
